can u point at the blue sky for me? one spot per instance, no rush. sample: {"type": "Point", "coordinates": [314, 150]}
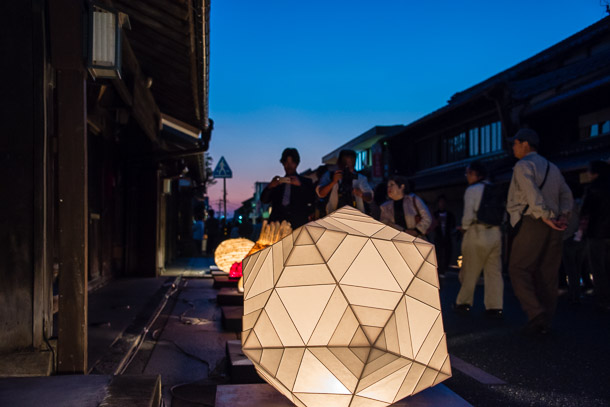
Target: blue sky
{"type": "Point", "coordinates": [315, 74]}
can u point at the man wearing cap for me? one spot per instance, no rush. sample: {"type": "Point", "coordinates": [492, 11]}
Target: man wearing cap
{"type": "Point", "coordinates": [539, 200]}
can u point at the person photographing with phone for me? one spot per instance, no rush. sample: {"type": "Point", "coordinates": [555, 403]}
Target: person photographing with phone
{"type": "Point", "coordinates": [539, 204]}
{"type": "Point", "coordinates": [291, 196]}
{"type": "Point", "coordinates": [345, 186]}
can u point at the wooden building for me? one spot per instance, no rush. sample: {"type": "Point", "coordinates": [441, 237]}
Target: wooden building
{"type": "Point", "coordinates": [100, 165]}
{"type": "Point", "coordinates": [563, 93]}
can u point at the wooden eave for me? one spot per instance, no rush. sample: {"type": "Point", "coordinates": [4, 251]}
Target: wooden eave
{"type": "Point", "coordinates": [170, 40]}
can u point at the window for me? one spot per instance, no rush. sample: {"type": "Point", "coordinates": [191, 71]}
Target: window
{"type": "Point", "coordinates": [476, 141]}
{"type": "Point", "coordinates": [496, 136]}
{"type": "Point", "coordinates": [363, 159]}
{"type": "Point", "coordinates": [594, 124]}
{"type": "Point", "coordinates": [599, 129]}
{"type": "Point", "coordinates": [455, 147]}
{"type": "Point", "coordinates": [485, 139]}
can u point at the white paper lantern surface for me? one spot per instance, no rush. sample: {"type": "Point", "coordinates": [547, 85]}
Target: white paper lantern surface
{"type": "Point", "coordinates": [345, 311]}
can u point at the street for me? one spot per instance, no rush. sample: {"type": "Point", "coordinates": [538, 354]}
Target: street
{"type": "Point", "coordinates": [493, 364]}
{"type": "Point", "coordinates": [565, 368]}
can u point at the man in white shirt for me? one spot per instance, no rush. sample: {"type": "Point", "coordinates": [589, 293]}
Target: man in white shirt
{"type": "Point", "coordinates": [345, 186]}
{"type": "Point", "coordinates": [481, 249]}
{"type": "Point", "coordinates": [541, 200]}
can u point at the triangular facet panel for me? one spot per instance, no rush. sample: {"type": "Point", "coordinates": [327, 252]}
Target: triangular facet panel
{"type": "Point", "coordinates": [304, 238]}
{"type": "Point", "coordinates": [305, 306]}
{"type": "Point", "coordinates": [329, 242]}
{"type": "Point", "coordinates": [283, 322]}
{"type": "Point", "coordinates": [345, 255]}
{"type": "Point", "coordinates": [411, 255]}
{"type": "Point", "coordinates": [329, 320]}
{"type": "Point", "coordinates": [386, 388]}
{"type": "Point", "coordinates": [300, 255]}
{"type": "Point", "coordinates": [366, 228]}
{"type": "Point", "coordinates": [309, 274]}
{"type": "Point", "coordinates": [369, 270]}
{"type": "Point", "coordinates": [314, 377]}
{"type": "Point", "coordinates": [395, 262]}
{"type": "Point", "coordinates": [315, 232]}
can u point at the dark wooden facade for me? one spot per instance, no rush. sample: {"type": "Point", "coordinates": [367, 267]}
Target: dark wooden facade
{"type": "Point", "coordinates": [563, 93]}
{"type": "Point", "coordinates": [91, 185]}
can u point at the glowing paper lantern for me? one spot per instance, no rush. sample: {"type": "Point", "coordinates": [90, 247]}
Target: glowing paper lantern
{"type": "Point", "coordinates": [231, 251]}
{"type": "Point", "coordinates": [236, 270]}
{"type": "Point", "coordinates": [345, 311]}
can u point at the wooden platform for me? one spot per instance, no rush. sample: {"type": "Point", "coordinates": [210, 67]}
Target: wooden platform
{"type": "Point", "coordinates": [224, 281]}
{"type": "Point", "coordinates": [229, 296]}
{"type": "Point", "coordinates": [82, 391]}
{"type": "Point", "coordinates": [215, 271]}
{"type": "Point", "coordinates": [263, 395]}
{"type": "Point", "coordinates": [231, 318]}
{"type": "Point", "coordinates": [241, 369]}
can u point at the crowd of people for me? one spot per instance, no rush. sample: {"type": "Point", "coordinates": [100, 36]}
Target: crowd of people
{"type": "Point", "coordinates": [545, 225]}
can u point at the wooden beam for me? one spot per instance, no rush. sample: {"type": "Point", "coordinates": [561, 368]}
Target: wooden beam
{"type": "Point", "coordinates": [147, 36]}
{"type": "Point", "coordinates": [144, 107]}
{"type": "Point", "coordinates": [140, 21]}
{"type": "Point", "coordinates": [172, 69]}
{"type": "Point", "coordinates": [175, 10]}
{"type": "Point", "coordinates": [42, 316]}
{"type": "Point", "coordinates": [73, 232]}
{"type": "Point", "coordinates": [152, 46]}
{"type": "Point", "coordinates": [123, 91]}
{"type": "Point", "coordinates": [159, 12]}
{"type": "Point", "coordinates": [193, 62]}
{"type": "Point", "coordinates": [66, 28]}
{"type": "Point", "coordinates": [145, 111]}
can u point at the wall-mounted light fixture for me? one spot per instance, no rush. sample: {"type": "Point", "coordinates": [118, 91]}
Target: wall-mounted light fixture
{"type": "Point", "coordinates": [104, 42]}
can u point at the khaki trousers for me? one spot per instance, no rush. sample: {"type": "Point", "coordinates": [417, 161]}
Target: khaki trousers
{"type": "Point", "coordinates": [534, 266]}
{"type": "Point", "coordinates": [481, 251]}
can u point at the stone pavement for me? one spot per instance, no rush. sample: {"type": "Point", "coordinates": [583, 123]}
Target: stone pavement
{"type": "Point", "coordinates": [187, 346]}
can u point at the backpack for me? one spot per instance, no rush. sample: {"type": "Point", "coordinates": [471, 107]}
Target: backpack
{"type": "Point", "coordinates": [492, 208]}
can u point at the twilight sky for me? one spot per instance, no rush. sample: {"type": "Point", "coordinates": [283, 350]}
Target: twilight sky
{"type": "Point", "coordinates": [315, 74]}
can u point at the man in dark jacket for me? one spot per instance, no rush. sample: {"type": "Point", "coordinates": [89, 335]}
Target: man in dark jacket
{"type": "Point", "coordinates": [291, 196]}
{"type": "Point", "coordinates": [595, 213]}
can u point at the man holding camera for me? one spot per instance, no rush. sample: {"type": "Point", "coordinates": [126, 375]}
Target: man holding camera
{"type": "Point", "coordinates": [291, 196]}
{"type": "Point", "coordinates": [345, 186]}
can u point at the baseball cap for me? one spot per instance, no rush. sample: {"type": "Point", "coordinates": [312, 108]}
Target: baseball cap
{"type": "Point", "coordinates": [528, 135]}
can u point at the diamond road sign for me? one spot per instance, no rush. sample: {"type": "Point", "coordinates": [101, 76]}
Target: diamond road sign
{"type": "Point", "coordinates": [222, 169]}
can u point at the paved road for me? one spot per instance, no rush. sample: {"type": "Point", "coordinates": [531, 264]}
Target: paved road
{"type": "Point", "coordinates": [568, 367]}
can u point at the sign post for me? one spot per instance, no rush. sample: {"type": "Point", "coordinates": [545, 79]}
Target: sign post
{"type": "Point", "coordinates": [223, 171]}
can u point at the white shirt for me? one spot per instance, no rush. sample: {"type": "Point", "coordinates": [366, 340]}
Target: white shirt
{"type": "Point", "coordinates": [553, 200]}
{"type": "Point", "coordinates": [333, 197]}
{"type": "Point", "coordinates": [472, 202]}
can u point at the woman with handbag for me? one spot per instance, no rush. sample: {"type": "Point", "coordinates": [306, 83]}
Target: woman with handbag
{"type": "Point", "coordinates": [405, 211]}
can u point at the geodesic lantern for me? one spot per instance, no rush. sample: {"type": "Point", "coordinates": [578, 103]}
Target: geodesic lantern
{"type": "Point", "coordinates": [345, 311]}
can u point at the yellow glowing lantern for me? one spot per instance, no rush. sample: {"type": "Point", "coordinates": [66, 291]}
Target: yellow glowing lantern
{"type": "Point", "coordinates": [231, 251]}
{"type": "Point", "coordinates": [345, 311]}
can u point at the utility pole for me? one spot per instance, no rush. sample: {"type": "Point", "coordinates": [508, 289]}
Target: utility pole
{"type": "Point", "coordinates": [224, 195]}
{"type": "Point", "coordinates": [223, 171]}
